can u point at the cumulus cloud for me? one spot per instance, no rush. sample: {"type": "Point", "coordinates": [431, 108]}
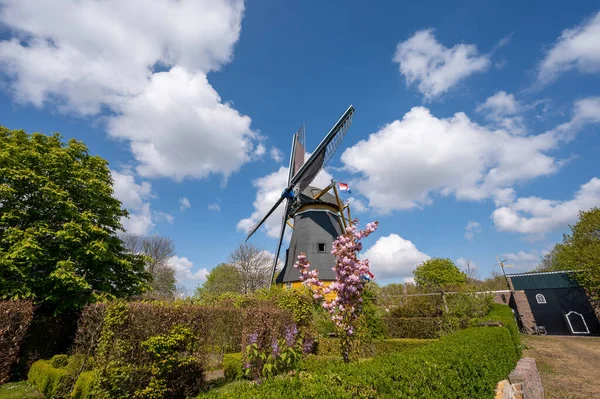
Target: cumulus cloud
{"type": "Point", "coordinates": [394, 258]}
{"type": "Point", "coordinates": [357, 205]}
{"type": "Point", "coordinates": [408, 161]}
{"type": "Point", "coordinates": [146, 65]}
{"type": "Point", "coordinates": [576, 48]}
{"type": "Point", "coordinates": [214, 207]}
{"type": "Point", "coordinates": [134, 198]}
{"type": "Point", "coordinates": [184, 203]}
{"type": "Point", "coordinates": [185, 274]}
{"type": "Point", "coordinates": [471, 229]}
{"type": "Point", "coordinates": [522, 261]}
{"type": "Point", "coordinates": [503, 110]}
{"type": "Point", "coordinates": [434, 67]}
{"type": "Point", "coordinates": [534, 216]}
{"type": "Point", "coordinates": [276, 154]}
{"type": "Point", "coordinates": [268, 191]}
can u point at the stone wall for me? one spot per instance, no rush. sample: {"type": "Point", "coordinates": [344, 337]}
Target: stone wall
{"type": "Point", "coordinates": [524, 309]}
{"type": "Point", "coordinates": [523, 382]}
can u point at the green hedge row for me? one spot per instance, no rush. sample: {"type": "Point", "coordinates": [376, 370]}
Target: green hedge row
{"type": "Point", "coordinates": [466, 364]}
{"type": "Point", "coordinates": [505, 315]}
{"type": "Point", "coordinates": [331, 346]}
{"type": "Point", "coordinates": [413, 327]}
{"type": "Point", "coordinates": [57, 377]}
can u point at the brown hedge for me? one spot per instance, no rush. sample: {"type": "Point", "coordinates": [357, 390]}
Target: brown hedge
{"type": "Point", "coordinates": [413, 327]}
{"type": "Point", "coordinates": [15, 318]}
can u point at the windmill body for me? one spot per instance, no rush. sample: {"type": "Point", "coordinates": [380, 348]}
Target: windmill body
{"type": "Point", "coordinates": [316, 226]}
{"type": "Point", "coordinates": [318, 215]}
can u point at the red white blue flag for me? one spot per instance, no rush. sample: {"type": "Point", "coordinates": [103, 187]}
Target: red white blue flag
{"type": "Point", "coordinates": [344, 187]}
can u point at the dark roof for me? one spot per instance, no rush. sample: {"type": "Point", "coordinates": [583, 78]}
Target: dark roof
{"type": "Point", "coordinates": [543, 280]}
{"type": "Point", "coordinates": [306, 197]}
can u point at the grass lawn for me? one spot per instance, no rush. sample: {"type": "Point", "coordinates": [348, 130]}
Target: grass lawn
{"type": "Point", "coordinates": [569, 366]}
{"type": "Point", "coordinates": [18, 390]}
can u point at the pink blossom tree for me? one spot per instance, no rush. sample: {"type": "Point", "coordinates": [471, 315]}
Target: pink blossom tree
{"type": "Point", "coordinates": [349, 285]}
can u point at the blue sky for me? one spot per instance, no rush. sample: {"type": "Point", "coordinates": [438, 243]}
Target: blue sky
{"type": "Point", "coordinates": [475, 133]}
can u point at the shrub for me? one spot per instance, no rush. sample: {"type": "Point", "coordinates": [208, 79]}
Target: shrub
{"type": "Point", "coordinates": [232, 366]}
{"type": "Point", "coordinates": [505, 315]}
{"type": "Point", "coordinates": [466, 364]}
{"type": "Point", "coordinates": [84, 385]}
{"type": "Point", "coordinates": [51, 382]}
{"type": "Point", "coordinates": [15, 318]}
{"type": "Point", "coordinates": [59, 361]}
{"type": "Point", "coordinates": [413, 327]}
{"type": "Point", "coordinates": [330, 346]}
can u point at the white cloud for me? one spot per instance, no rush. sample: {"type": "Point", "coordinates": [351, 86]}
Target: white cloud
{"type": "Point", "coordinates": [393, 257]}
{"type": "Point", "coordinates": [408, 161]}
{"type": "Point", "coordinates": [471, 229]}
{"type": "Point", "coordinates": [214, 207]}
{"type": "Point", "coordinates": [161, 216]}
{"type": "Point", "coordinates": [184, 273]}
{"type": "Point", "coordinates": [577, 48]}
{"type": "Point", "coordinates": [463, 263]}
{"type": "Point", "coordinates": [276, 154]}
{"type": "Point", "coordinates": [268, 191]}
{"type": "Point", "coordinates": [357, 205]}
{"type": "Point", "coordinates": [502, 109]}
{"type": "Point", "coordinates": [535, 216]}
{"type": "Point", "coordinates": [184, 203]}
{"type": "Point", "coordinates": [522, 261]}
{"type": "Point", "coordinates": [133, 196]}
{"type": "Point", "coordinates": [103, 55]}
{"type": "Point", "coordinates": [435, 67]}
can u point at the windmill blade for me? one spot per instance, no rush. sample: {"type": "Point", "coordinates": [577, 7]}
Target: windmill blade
{"type": "Point", "coordinates": [257, 225]}
{"type": "Point", "coordinates": [323, 153]}
{"type": "Point", "coordinates": [297, 155]}
{"type": "Point", "coordinates": [281, 234]}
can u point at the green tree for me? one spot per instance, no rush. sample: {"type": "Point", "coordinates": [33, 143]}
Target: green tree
{"type": "Point", "coordinates": [580, 251]}
{"type": "Point", "coordinates": [222, 278]}
{"type": "Point", "coordinates": [438, 273]}
{"type": "Point", "coordinates": [59, 223]}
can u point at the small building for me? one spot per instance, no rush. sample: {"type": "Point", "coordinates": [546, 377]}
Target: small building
{"type": "Point", "coordinates": [555, 301]}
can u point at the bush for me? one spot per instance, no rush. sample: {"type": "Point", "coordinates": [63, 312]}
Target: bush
{"type": "Point", "coordinates": [413, 327]}
{"type": "Point", "coordinates": [466, 364]}
{"type": "Point", "coordinates": [232, 366]}
{"type": "Point", "coordinates": [15, 318]}
{"type": "Point", "coordinates": [505, 315]}
{"type": "Point", "coordinates": [331, 346]}
{"type": "Point", "coordinates": [59, 361]}
{"type": "Point", "coordinates": [50, 381]}
{"type": "Point", "coordinates": [84, 385]}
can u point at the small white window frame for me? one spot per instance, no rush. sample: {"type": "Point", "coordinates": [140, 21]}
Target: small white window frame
{"type": "Point", "coordinates": [540, 298]}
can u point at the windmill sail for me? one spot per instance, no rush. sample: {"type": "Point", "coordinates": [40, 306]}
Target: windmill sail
{"type": "Point", "coordinates": [299, 179]}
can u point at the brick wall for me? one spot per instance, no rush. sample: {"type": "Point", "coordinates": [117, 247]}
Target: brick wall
{"type": "Point", "coordinates": [524, 309]}
{"type": "Point", "coordinates": [526, 379]}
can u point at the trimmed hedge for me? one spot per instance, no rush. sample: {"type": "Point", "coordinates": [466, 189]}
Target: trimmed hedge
{"type": "Point", "coordinates": [331, 346]}
{"type": "Point", "coordinates": [15, 318]}
{"type": "Point", "coordinates": [413, 327]}
{"type": "Point", "coordinates": [232, 366]}
{"type": "Point", "coordinates": [466, 364]}
{"type": "Point", "coordinates": [50, 381]}
{"type": "Point", "coordinates": [505, 315]}
{"type": "Point", "coordinates": [83, 386]}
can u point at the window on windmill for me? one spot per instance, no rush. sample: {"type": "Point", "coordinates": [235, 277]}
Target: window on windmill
{"type": "Point", "coordinates": [321, 247]}
{"type": "Point", "coordinates": [540, 298]}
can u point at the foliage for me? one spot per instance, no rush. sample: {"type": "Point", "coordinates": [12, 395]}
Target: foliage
{"type": "Point", "coordinates": [59, 223]}
{"type": "Point", "coordinates": [414, 327]}
{"type": "Point", "coordinates": [467, 364]}
{"type": "Point", "coordinates": [59, 361]}
{"type": "Point", "coordinates": [437, 273]}
{"type": "Point", "coordinates": [505, 315]}
{"type": "Point", "coordinates": [15, 318]}
{"type": "Point", "coordinates": [221, 279]}
{"type": "Point", "coordinates": [50, 381]}
{"type": "Point", "coordinates": [331, 346]}
{"type": "Point", "coordinates": [84, 385]}
{"type": "Point", "coordinates": [345, 308]}
{"type": "Point", "coordinates": [283, 355]}
{"type": "Point", "coordinates": [580, 251]}
{"type": "Point", "coordinates": [18, 390]}
{"type": "Point", "coordinates": [232, 366]}
{"type": "Point", "coordinates": [372, 314]}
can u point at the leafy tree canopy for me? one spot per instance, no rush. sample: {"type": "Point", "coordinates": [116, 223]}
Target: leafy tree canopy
{"type": "Point", "coordinates": [59, 223]}
{"type": "Point", "coordinates": [221, 279]}
{"type": "Point", "coordinates": [438, 273]}
{"type": "Point", "coordinates": [580, 251]}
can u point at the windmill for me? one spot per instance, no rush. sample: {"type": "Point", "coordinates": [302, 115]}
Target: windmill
{"type": "Point", "coordinates": [502, 266]}
{"type": "Point", "coordinates": [318, 216]}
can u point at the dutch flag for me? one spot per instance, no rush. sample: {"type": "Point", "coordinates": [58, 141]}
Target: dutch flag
{"type": "Point", "coordinates": [345, 187]}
